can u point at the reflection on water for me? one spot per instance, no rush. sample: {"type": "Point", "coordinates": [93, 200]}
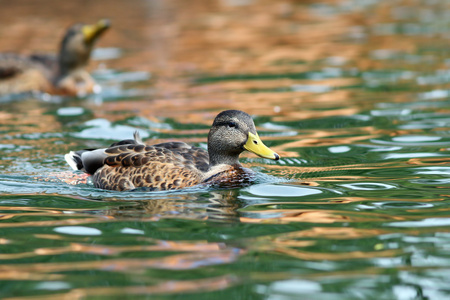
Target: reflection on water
{"type": "Point", "coordinates": [352, 94]}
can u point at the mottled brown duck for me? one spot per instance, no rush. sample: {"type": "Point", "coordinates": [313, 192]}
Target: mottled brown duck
{"type": "Point", "coordinates": [131, 164]}
{"type": "Point", "coordinates": [64, 73]}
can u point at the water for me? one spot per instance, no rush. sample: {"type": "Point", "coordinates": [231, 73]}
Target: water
{"type": "Point", "coordinates": [352, 94]}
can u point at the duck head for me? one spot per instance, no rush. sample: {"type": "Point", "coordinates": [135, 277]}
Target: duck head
{"type": "Point", "coordinates": [233, 132]}
{"type": "Point", "coordinates": [77, 45]}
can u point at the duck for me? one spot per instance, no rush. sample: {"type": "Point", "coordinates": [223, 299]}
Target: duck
{"type": "Point", "coordinates": [63, 74]}
{"type": "Point", "coordinates": [130, 164]}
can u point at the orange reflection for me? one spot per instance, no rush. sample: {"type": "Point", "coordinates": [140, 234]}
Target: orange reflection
{"type": "Point", "coordinates": [332, 233]}
{"type": "Point", "coordinates": [315, 216]}
{"type": "Point", "coordinates": [182, 261]}
{"type": "Point", "coordinates": [338, 256]}
{"type": "Point", "coordinates": [164, 288]}
{"type": "Point", "coordinates": [429, 161]}
{"type": "Point", "coordinates": [289, 243]}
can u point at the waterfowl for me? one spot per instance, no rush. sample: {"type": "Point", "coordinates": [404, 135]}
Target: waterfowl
{"type": "Point", "coordinates": [131, 164]}
{"type": "Point", "coordinates": [62, 74]}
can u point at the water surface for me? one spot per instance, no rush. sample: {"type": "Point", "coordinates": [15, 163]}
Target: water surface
{"type": "Point", "coordinates": [354, 95]}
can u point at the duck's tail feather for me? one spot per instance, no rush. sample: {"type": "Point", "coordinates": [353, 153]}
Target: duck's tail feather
{"type": "Point", "coordinates": [73, 158]}
{"type": "Point", "coordinates": [89, 160]}
{"type": "Point", "coordinates": [137, 138]}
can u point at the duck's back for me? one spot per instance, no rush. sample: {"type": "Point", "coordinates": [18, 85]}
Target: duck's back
{"type": "Point", "coordinates": [163, 166]}
{"type": "Point", "coordinates": [20, 73]}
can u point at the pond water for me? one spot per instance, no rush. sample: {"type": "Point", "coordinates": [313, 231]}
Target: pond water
{"type": "Point", "coordinates": [354, 96]}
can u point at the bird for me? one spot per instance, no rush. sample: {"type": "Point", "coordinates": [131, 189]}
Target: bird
{"type": "Point", "coordinates": [131, 164]}
{"type": "Point", "coordinates": [61, 74]}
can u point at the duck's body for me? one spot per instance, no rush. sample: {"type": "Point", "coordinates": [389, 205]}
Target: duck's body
{"type": "Point", "coordinates": [64, 73]}
{"type": "Point", "coordinates": [20, 73]}
{"type": "Point", "coordinates": [131, 164]}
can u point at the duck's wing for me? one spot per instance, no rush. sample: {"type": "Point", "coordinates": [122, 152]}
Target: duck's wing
{"type": "Point", "coordinates": [12, 64]}
{"type": "Point", "coordinates": [132, 166]}
{"type": "Point", "coordinates": [129, 164]}
{"type": "Point", "coordinates": [197, 155]}
{"type": "Point", "coordinates": [49, 61]}
{"type": "Point", "coordinates": [19, 73]}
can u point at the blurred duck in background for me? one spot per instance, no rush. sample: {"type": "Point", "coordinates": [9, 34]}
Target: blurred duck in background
{"type": "Point", "coordinates": [61, 74]}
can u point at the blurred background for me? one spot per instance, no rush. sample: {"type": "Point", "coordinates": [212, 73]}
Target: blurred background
{"type": "Point", "coordinates": [354, 96]}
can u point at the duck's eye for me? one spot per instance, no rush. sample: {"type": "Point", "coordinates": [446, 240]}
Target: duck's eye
{"type": "Point", "coordinates": [232, 125]}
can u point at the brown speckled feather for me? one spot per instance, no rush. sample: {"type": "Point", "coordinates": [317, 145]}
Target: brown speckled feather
{"type": "Point", "coordinates": [156, 167]}
{"type": "Point", "coordinates": [20, 73]}
{"type": "Point", "coordinates": [235, 176]}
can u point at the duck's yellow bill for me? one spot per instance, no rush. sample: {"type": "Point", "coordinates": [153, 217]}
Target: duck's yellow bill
{"type": "Point", "coordinates": [255, 145]}
{"type": "Point", "coordinates": [91, 32]}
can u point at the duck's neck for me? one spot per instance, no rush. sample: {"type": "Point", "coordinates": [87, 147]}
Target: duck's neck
{"type": "Point", "coordinates": [67, 66]}
{"type": "Point", "coordinates": [72, 59]}
{"type": "Point", "coordinates": [218, 158]}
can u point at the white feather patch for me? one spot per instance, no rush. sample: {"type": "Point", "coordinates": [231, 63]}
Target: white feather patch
{"type": "Point", "coordinates": [70, 160]}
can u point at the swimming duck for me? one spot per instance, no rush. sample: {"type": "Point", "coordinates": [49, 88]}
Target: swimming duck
{"type": "Point", "coordinates": [131, 164]}
{"type": "Point", "coordinates": [62, 74]}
